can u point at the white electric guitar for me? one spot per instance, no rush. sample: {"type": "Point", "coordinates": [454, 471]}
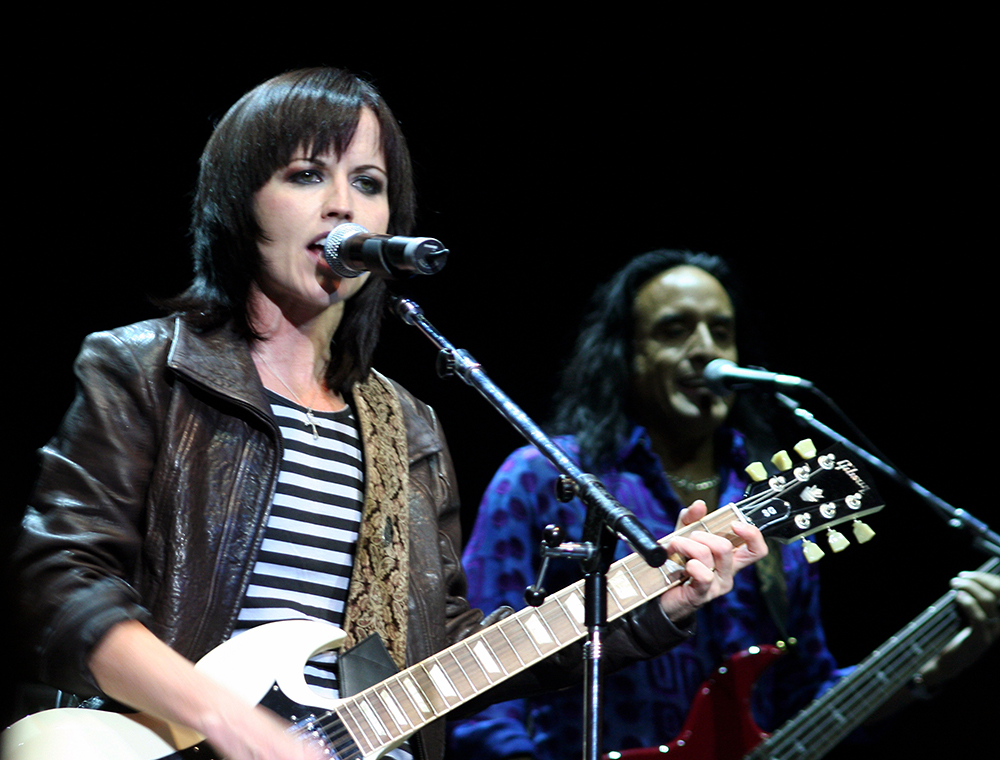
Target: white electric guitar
{"type": "Point", "coordinates": [820, 492]}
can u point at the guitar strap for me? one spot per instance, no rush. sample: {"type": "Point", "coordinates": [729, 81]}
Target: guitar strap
{"type": "Point", "coordinates": [364, 665]}
{"type": "Point", "coordinates": [378, 594]}
{"type": "Point", "coordinates": [774, 587]}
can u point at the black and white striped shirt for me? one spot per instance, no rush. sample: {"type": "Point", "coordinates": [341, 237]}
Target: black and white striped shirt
{"type": "Point", "coordinates": [305, 561]}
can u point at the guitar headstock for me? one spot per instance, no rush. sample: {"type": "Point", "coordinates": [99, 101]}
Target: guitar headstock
{"type": "Point", "coordinates": [821, 491]}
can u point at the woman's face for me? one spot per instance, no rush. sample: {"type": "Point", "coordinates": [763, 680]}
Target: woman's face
{"type": "Point", "coordinates": [302, 202]}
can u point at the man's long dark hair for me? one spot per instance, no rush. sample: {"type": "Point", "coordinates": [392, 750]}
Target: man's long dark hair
{"type": "Point", "coordinates": [593, 402]}
{"type": "Point", "coordinates": [317, 108]}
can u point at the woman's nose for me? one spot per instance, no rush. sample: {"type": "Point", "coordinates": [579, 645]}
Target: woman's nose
{"type": "Point", "coordinates": [337, 203]}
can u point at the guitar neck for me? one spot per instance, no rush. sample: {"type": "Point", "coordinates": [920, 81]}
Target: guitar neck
{"type": "Point", "coordinates": [387, 713]}
{"type": "Point", "coordinates": [820, 492]}
{"type": "Point", "coordinates": [821, 726]}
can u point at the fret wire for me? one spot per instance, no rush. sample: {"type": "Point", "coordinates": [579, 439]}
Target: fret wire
{"type": "Point", "coordinates": [378, 706]}
{"type": "Point", "coordinates": [470, 658]}
{"type": "Point", "coordinates": [410, 677]}
{"type": "Point", "coordinates": [372, 715]}
{"type": "Point", "coordinates": [438, 702]}
{"type": "Point", "coordinates": [577, 628]}
{"type": "Point", "coordinates": [500, 626]}
{"type": "Point", "coordinates": [451, 653]}
{"type": "Point", "coordinates": [404, 698]}
{"type": "Point", "coordinates": [900, 657]}
{"type": "Point", "coordinates": [484, 640]}
{"type": "Point", "coordinates": [350, 712]}
{"type": "Point", "coordinates": [613, 597]}
{"type": "Point", "coordinates": [664, 570]}
{"type": "Point", "coordinates": [396, 714]}
{"type": "Point", "coordinates": [717, 521]}
{"type": "Point", "coordinates": [495, 639]}
{"type": "Point", "coordinates": [394, 704]}
{"type": "Point", "coordinates": [627, 571]}
{"type": "Point", "coordinates": [542, 614]}
{"type": "Point", "coordinates": [559, 622]}
{"type": "Point", "coordinates": [654, 579]}
{"type": "Point", "coordinates": [534, 635]}
{"type": "Point", "coordinates": [641, 574]}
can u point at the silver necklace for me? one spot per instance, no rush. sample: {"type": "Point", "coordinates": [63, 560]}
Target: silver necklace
{"type": "Point", "coordinates": [309, 410]}
{"type": "Point", "coordinates": [694, 485]}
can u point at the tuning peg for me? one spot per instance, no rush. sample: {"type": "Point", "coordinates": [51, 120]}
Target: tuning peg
{"type": "Point", "coordinates": [837, 540]}
{"type": "Point", "coordinates": [811, 551]}
{"type": "Point", "coordinates": [756, 472]}
{"type": "Point", "coordinates": [862, 533]}
{"type": "Point", "coordinates": [782, 461]}
{"type": "Point", "coordinates": [805, 448]}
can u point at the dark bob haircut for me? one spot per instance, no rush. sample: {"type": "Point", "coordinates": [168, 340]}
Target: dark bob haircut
{"type": "Point", "coordinates": [318, 108]}
{"type": "Point", "coordinates": [593, 400]}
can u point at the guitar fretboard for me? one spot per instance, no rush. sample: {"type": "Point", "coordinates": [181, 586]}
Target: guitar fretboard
{"type": "Point", "coordinates": [816, 730]}
{"type": "Point", "coordinates": [384, 715]}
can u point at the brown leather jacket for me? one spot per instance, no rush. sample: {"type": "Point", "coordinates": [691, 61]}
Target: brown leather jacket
{"type": "Point", "coordinates": [154, 494]}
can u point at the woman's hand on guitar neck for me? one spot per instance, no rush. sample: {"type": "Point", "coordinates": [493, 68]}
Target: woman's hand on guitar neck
{"type": "Point", "coordinates": [712, 562]}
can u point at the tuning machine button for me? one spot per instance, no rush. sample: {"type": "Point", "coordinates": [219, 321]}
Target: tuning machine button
{"type": "Point", "coordinates": [756, 472]}
{"type": "Point", "coordinates": [862, 532]}
{"type": "Point", "coordinates": [837, 540]}
{"type": "Point", "coordinates": [782, 461]}
{"type": "Point", "coordinates": [805, 448]}
{"type": "Point", "coordinates": [811, 551]}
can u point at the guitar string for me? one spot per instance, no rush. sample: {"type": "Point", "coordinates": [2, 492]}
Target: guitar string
{"type": "Point", "coordinates": [812, 732]}
{"type": "Point", "coordinates": [929, 631]}
{"type": "Point", "coordinates": [855, 707]}
{"type": "Point", "coordinates": [941, 628]}
{"type": "Point", "coordinates": [895, 651]}
{"type": "Point", "coordinates": [899, 655]}
{"type": "Point", "coordinates": [334, 735]}
{"type": "Point", "coordinates": [337, 732]}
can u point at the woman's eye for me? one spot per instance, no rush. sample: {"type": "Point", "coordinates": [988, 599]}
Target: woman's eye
{"type": "Point", "coordinates": [369, 185]}
{"type": "Point", "coordinates": [307, 177]}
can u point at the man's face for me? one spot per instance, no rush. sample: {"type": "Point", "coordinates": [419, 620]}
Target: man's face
{"type": "Point", "coordinates": [683, 320]}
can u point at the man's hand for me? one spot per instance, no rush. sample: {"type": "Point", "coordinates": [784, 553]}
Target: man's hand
{"type": "Point", "coordinates": [712, 562]}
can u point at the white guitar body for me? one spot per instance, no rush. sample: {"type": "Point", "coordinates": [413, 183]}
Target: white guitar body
{"type": "Point", "coordinates": [250, 665]}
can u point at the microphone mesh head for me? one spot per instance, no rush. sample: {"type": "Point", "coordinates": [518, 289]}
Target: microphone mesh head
{"type": "Point", "coordinates": [331, 248]}
{"type": "Point", "coordinates": [715, 376]}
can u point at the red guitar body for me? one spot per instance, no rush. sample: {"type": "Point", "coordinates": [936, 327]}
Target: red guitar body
{"type": "Point", "coordinates": [720, 725]}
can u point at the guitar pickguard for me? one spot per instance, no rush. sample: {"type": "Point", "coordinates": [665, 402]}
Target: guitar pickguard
{"type": "Point", "coordinates": [250, 664]}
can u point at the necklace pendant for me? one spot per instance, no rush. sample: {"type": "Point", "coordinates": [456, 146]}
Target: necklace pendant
{"type": "Point", "coordinates": [312, 423]}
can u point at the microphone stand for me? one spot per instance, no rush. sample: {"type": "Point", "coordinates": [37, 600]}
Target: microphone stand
{"type": "Point", "coordinates": [605, 517]}
{"type": "Point", "coordinates": [982, 536]}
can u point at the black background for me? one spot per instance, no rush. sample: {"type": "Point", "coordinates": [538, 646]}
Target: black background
{"type": "Point", "coordinates": [844, 170]}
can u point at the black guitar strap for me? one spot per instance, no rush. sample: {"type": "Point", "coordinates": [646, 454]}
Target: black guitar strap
{"type": "Point", "coordinates": [364, 665]}
{"type": "Point", "coordinates": [774, 587]}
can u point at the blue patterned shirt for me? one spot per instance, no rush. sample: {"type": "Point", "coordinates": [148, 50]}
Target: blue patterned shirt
{"type": "Point", "coordinates": [645, 704]}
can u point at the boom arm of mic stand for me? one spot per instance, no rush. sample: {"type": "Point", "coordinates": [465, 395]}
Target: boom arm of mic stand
{"type": "Point", "coordinates": [588, 488]}
{"type": "Point", "coordinates": [983, 536]}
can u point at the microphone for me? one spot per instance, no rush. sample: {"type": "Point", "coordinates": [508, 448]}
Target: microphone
{"type": "Point", "coordinates": [723, 376]}
{"type": "Point", "coordinates": [351, 250]}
